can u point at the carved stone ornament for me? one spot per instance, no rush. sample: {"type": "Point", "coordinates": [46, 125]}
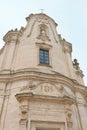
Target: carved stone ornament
{"type": "Point", "coordinates": [28, 87]}
{"type": "Point", "coordinates": [77, 68]}
{"type": "Point", "coordinates": [23, 110]}
{"type": "Point", "coordinates": [45, 90]}
{"type": "Point", "coordinates": [43, 19]}
{"type": "Point", "coordinates": [43, 33]}
{"type": "Point", "coordinates": [11, 36]}
{"type": "Point", "coordinates": [68, 112]}
{"type": "Point", "coordinates": [76, 64]}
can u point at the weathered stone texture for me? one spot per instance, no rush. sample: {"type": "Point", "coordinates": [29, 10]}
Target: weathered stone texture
{"type": "Point", "coordinates": [35, 95]}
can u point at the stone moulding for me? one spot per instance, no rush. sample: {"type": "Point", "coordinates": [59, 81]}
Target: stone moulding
{"type": "Point", "coordinates": [10, 76]}
{"type": "Point", "coordinates": [44, 45]}
{"type": "Point", "coordinates": [30, 96]}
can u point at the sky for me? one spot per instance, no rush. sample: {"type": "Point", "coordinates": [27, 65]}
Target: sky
{"type": "Point", "coordinates": [70, 15]}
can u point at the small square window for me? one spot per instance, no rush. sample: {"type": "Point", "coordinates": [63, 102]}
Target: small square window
{"type": "Point", "coordinates": [44, 56]}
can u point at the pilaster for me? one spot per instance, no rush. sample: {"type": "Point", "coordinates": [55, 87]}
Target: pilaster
{"type": "Point", "coordinates": [11, 39]}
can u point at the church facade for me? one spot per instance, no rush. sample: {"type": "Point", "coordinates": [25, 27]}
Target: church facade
{"type": "Point", "coordinates": [41, 88]}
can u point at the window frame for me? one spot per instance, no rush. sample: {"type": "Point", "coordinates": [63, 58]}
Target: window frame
{"type": "Point", "coordinates": [43, 57]}
{"type": "Point", "coordinates": [44, 46]}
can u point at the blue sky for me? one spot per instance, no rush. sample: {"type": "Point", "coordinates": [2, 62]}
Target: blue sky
{"type": "Point", "coordinates": [70, 15]}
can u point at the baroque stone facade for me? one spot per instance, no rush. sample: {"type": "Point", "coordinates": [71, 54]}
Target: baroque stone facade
{"type": "Point", "coordinates": [41, 88]}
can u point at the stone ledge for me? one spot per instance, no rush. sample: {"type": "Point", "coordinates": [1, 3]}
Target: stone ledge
{"type": "Point", "coordinates": [30, 96]}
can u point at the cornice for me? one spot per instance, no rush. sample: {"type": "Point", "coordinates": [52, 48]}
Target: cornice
{"type": "Point", "coordinates": [43, 45]}
{"type": "Point", "coordinates": [30, 96]}
{"type": "Point", "coordinates": [36, 74]}
{"type": "Point", "coordinates": [18, 74]}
